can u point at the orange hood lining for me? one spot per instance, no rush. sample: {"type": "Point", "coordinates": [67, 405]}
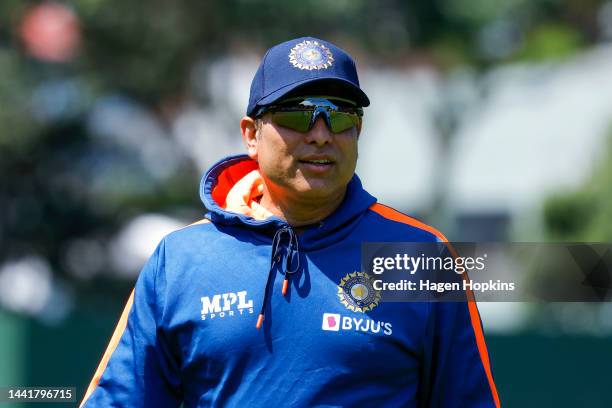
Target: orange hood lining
{"type": "Point", "coordinates": [230, 176]}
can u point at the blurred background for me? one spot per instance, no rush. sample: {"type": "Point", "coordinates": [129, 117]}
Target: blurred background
{"type": "Point", "coordinates": [490, 120]}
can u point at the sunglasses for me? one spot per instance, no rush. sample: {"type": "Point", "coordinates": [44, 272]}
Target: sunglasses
{"type": "Point", "coordinates": [300, 114]}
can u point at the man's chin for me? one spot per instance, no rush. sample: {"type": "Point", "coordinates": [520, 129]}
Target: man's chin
{"type": "Point", "coordinates": [319, 190]}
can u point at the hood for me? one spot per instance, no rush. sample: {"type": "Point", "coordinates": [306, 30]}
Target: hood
{"type": "Point", "coordinates": [219, 180]}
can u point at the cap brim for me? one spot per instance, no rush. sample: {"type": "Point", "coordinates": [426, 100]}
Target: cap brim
{"type": "Point", "coordinates": [329, 86]}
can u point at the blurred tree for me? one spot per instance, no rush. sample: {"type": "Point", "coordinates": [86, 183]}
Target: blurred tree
{"type": "Point", "coordinates": [584, 215]}
{"type": "Point", "coordinates": [59, 182]}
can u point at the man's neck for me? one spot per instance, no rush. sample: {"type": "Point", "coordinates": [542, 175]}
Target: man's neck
{"type": "Point", "coordinates": [300, 212]}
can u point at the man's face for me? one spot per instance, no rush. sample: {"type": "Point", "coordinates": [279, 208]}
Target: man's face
{"type": "Point", "coordinates": [315, 164]}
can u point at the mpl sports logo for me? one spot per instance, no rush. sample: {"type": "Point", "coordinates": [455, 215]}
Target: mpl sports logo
{"type": "Point", "coordinates": [337, 322]}
{"type": "Point", "coordinates": [233, 304]}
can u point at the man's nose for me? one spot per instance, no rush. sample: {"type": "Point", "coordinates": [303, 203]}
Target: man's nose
{"type": "Point", "coordinates": [319, 133]}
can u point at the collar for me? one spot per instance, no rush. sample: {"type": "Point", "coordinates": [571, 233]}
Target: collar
{"type": "Point", "coordinates": [229, 190]}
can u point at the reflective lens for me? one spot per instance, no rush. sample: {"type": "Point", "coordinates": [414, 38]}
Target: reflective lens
{"type": "Point", "coordinates": [296, 120]}
{"type": "Point", "coordinates": [341, 121]}
{"type": "Point", "coordinates": [300, 114]}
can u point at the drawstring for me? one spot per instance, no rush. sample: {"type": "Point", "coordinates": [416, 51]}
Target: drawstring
{"type": "Point", "coordinates": [292, 250]}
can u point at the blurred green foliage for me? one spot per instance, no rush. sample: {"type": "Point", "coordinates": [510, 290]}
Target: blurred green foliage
{"type": "Point", "coordinates": [59, 183]}
{"type": "Point", "coordinates": [551, 41]}
{"type": "Point", "coordinates": [583, 215]}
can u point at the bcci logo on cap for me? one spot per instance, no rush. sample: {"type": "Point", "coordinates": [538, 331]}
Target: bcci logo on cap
{"type": "Point", "coordinates": [356, 292]}
{"type": "Point", "coordinates": [311, 55]}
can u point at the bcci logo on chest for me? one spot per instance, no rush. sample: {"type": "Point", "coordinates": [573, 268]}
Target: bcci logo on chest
{"type": "Point", "coordinates": [226, 304]}
{"type": "Point", "coordinates": [356, 292]}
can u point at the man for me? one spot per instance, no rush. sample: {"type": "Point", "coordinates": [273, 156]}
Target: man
{"type": "Point", "coordinates": [279, 251]}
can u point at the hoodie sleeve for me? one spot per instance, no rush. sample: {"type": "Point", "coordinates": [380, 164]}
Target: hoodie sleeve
{"type": "Point", "coordinates": [138, 369]}
{"type": "Point", "coordinates": [456, 365]}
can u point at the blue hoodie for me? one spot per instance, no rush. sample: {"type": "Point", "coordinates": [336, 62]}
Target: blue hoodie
{"type": "Point", "coordinates": [188, 332]}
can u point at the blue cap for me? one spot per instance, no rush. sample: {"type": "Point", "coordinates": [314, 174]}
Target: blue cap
{"type": "Point", "coordinates": [305, 64]}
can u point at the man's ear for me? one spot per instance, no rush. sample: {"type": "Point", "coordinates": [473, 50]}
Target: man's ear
{"type": "Point", "coordinates": [249, 136]}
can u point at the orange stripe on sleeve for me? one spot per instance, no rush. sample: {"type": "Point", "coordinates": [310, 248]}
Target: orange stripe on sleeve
{"type": "Point", "coordinates": [482, 348]}
{"type": "Point", "coordinates": [202, 221]}
{"type": "Point", "coordinates": [395, 215]}
{"type": "Point", "coordinates": [110, 349]}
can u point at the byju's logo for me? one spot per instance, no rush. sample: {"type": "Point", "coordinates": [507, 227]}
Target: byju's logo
{"type": "Point", "coordinates": [226, 304]}
{"type": "Point", "coordinates": [336, 322]}
{"type": "Point", "coordinates": [331, 321]}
